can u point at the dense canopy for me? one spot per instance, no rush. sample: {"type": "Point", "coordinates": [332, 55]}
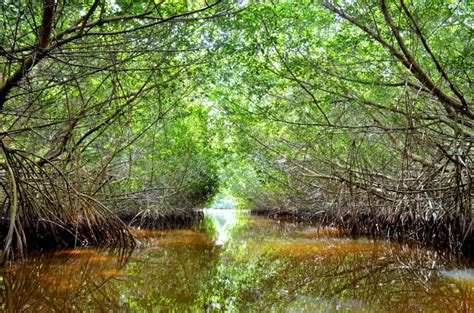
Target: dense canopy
{"type": "Point", "coordinates": [114, 110]}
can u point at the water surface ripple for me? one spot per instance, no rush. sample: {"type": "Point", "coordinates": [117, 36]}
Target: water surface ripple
{"type": "Point", "coordinates": [235, 262]}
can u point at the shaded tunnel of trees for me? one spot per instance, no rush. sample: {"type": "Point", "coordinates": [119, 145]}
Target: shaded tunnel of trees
{"type": "Point", "coordinates": [356, 114]}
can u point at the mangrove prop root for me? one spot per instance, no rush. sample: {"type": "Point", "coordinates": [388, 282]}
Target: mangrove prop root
{"type": "Point", "coordinates": [44, 209]}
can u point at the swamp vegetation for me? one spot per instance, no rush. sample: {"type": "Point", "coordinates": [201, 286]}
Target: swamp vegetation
{"type": "Point", "coordinates": [354, 114]}
{"type": "Point", "coordinates": [234, 262]}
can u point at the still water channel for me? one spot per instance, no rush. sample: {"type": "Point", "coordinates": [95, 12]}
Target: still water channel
{"type": "Point", "coordinates": [235, 262]}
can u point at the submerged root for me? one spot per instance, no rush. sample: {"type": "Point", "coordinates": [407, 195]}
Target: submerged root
{"type": "Point", "coordinates": [153, 218]}
{"type": "Point", "coordinates": [42, 208]}
{"type": "Point", "coordinates": [432, 205]}
{"type": "Point", "coordinates": [435, 227]}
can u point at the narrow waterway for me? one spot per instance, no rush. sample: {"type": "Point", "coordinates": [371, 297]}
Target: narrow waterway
{"type": "Point", "coordinates": [236, 262]}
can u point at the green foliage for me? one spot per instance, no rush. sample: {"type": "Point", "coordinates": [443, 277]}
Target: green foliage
{"type": "Point", "coordinates": [171, 102]}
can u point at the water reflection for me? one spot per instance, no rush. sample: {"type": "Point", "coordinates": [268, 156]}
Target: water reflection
{"type": "Point", "coordinates": [234, 262]}
{"type": "Point", "coordinates": [223, 222]}
{"type": "Point", "coordinates": [62, 281]}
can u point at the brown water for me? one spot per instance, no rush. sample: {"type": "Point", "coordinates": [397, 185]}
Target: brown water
{"type": "Point", "coordinates": [234, 262]}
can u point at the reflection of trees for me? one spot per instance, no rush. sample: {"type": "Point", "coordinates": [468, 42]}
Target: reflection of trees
{"type": "Point", "coordinates": [167, 273]}
{"type": "Point", "coordinates": [392, 278]}
{"type": "Point", "coordinates": [327, 274]}
{"type": "Point", "coordinates": [63, 281]}
{"type": "Point", "coordinates": [383, 279]}
{"type": "Point", "coordinates": [170, 274]}
{"type": "Point", "coordinates": [260, 270]}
